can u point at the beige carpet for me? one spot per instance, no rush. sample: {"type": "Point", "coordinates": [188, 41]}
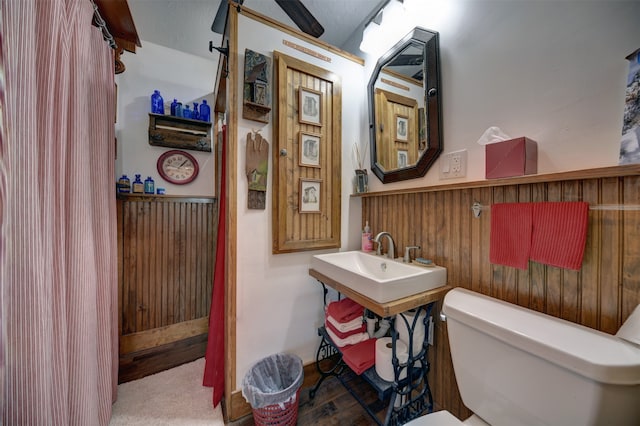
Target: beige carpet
{"type": "Point", "coordinates": [172, 397]}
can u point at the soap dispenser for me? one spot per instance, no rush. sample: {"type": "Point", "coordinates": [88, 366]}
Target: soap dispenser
{"type": "Point", "coordinates": [367, 243]}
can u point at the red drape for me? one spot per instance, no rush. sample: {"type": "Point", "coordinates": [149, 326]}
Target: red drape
{"type": "Point", "coordinates": [214, 364]}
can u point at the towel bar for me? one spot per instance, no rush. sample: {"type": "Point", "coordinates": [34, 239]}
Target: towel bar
{"type": "Point", "coordinates": [477, 207]}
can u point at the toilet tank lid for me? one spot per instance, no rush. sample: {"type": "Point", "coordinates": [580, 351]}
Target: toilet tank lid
{"type": "Point", "coordinates": [588, 352]}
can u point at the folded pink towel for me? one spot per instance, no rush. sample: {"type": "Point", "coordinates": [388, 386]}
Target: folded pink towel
{"type": "Point", "coordinates": [344, 327]}
{"type": "Point", "coordinates": [344, 335]}
{"type": "Point", "coordinates": [559, 233]}
{"type": "Point", "coordinates": [345, 310]}
{"type": "Point", "coordinates": [510, 239]}
{"type": "Point", "coordinates": [360, 357]}
{"type": "Point", "coordinates": [351, 340]}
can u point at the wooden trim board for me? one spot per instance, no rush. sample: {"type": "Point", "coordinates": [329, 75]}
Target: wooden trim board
{"type": "Point", "coordinates": [163, 335]}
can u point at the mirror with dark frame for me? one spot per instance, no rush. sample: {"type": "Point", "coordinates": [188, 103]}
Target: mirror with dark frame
{"type": "Point", "coordinates": [404, 108]}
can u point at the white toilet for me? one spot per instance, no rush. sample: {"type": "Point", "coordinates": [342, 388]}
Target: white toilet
{"type": "Point", "coordinates": [515, 366]}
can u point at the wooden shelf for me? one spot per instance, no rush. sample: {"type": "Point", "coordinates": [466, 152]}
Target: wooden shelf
{"type": "Point", "coordinates": [603, 172]}
{"type": "Point", "coordinates": [256, 112]}
{"type": "Point", "coordinates": [260, 107]}
{"type": "Point", "coordinates": [178, 132]}
{"type": "Point", "coordinates": [164, 197]}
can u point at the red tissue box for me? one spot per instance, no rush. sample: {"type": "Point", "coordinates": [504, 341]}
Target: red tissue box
{"type": "Point", "coordinates": [515, 157]}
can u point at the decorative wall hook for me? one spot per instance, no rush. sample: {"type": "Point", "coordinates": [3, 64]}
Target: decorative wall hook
{"type": "Point", "coordinates": [224, 51]}
{"type": "Point", "coordinates": [477, 209]}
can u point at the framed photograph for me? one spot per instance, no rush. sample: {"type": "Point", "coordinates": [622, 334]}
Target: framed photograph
{"type": "Point", "coordinates": [309, 150]}
{"type": "Point", "coordinates": [402, 158]}
{"type": "Point", "coordinates": [402, 128]}
{"type": "Point", "coordinates": [310, 195]}
{"type": "Point", "coordinates": [310, 107]}
{"type": "Point", "coordinates": [260, 93]}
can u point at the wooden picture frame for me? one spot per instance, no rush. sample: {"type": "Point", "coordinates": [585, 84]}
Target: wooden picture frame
{"type": "Point", "coordinates": [260, 93]}
{"type": "Point", "coordinates": [403, 158]}
{"type": "Point", "coordinates": [309, 195]}
{"type": "Point", "coordinates": [402, 128]}
{"type": "Point", "coordinates": [309, 149]}
{"type": "Point", "coordinates": [309, 106]}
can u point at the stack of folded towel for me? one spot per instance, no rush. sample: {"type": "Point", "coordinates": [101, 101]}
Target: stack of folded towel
{"type": "Point", "coordinates": [344, 325]}
{"type": "Point", "coordinates": [343, 321]}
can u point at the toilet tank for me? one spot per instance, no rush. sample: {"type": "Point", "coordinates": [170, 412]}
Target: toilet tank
{"type": "Point", "coordinates": [515, 366]}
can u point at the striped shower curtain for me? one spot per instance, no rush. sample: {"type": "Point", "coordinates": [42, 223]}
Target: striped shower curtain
{"type": "Point", "coordinates": [58, 267]}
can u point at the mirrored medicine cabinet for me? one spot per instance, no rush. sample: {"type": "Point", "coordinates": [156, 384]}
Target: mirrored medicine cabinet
{"type": "Point", "coordinates": [404, 108]}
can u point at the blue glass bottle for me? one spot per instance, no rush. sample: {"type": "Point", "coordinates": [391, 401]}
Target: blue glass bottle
{"type": "Point", "coordinates": [149, 185]}
{"type": "Point", "coordinates": [205, 111]}
{"type": "Point", "coordinates": [179, 109]}
{"type": "Point", "coordinates": [186, 112]}
{"type": "Point", "coordinates": [138, 186]}
{"type": "Point", "coordinates": [174, 105]}
{"type": "Point", "coordinates": [124, 185]}
{"type": "Point", "coordinates": [195, 114]}
{"type": "Point", "coordinates": [157, 103]}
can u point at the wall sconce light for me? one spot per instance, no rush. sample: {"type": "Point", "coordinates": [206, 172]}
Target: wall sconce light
{"type": "Point", "coordinates": [371, 36]}
{"type": "Point", "coordinates": [385, 29]}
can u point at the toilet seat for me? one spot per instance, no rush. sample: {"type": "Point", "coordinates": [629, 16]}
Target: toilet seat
{"type": "Point", "coordinates": [439, 418]}
{"type": "Point", "coordinates": [445, 418]}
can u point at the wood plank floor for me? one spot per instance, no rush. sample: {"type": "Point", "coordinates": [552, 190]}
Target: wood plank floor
{"type": "Point", "coordinates": [334, 405]}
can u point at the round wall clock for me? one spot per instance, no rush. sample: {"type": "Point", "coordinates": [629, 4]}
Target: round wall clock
{"type": "Point", "coordinates": [177, 167]}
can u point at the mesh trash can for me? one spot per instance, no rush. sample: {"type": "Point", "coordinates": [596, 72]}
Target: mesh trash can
{"type": "Point", "coordinates": [272, 387]}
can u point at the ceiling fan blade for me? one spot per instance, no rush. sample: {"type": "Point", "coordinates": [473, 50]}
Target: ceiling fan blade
{"type": "Point", "coordinates": [302, 17]}
{"type": "Point", "coordinates": [221, 16]}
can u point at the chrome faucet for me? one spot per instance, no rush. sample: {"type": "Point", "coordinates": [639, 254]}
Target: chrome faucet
{"type": "Point", "coordinates": [407, 255]}
{"type": "Point", "coordinates": [392, 249]}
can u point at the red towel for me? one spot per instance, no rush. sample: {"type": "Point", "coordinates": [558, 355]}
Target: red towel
{"type": "Point", "coordinates": [344, 310]}
{"type": "Point", "coordinates": [361, 356]}
{"type": "Point", "coordinates": [510, 243]}
{"type": "Point", "coordinates": [344, 334]}
{"type": "Point", "coordinates": [560, 233]}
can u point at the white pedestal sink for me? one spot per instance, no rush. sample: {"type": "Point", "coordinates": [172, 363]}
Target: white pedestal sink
{"type": "Point", "coordinates": [376, 277]}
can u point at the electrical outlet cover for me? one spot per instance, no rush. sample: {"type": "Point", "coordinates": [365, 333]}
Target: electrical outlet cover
{"type": "Point", "coordinates": [453, 164]}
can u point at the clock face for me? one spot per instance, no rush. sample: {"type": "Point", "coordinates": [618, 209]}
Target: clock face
{"type": "Point", "coordinates": [177, 167]}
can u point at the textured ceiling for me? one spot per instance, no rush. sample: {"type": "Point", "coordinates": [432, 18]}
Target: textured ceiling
{"type": "Point", "coordinates": [185, 25]}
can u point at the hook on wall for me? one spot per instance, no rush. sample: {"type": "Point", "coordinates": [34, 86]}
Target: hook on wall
{"type": "Point", "coordinates": [223, 51]}
{"type": "Point", "coordinates": [477, 209]}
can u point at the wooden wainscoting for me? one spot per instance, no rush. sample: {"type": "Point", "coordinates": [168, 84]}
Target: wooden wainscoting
{"type": "Point", "coordinates": [601, 295]}
{"type": "Point", "coordinates": [166, 260]}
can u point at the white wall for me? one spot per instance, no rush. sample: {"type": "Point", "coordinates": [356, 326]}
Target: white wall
{"type": "Point", "coordinates": [175, 74]}
{"type": "Point", "coordinates": [550, 70]}
{"type": "Point", "coordinates": [554, 71]}
{"type": "Point", "coordinates": [279, 306]}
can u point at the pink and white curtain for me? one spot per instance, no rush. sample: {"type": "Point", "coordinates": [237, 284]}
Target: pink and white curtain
{"type": "Point", "coordinates": [58, 258]}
